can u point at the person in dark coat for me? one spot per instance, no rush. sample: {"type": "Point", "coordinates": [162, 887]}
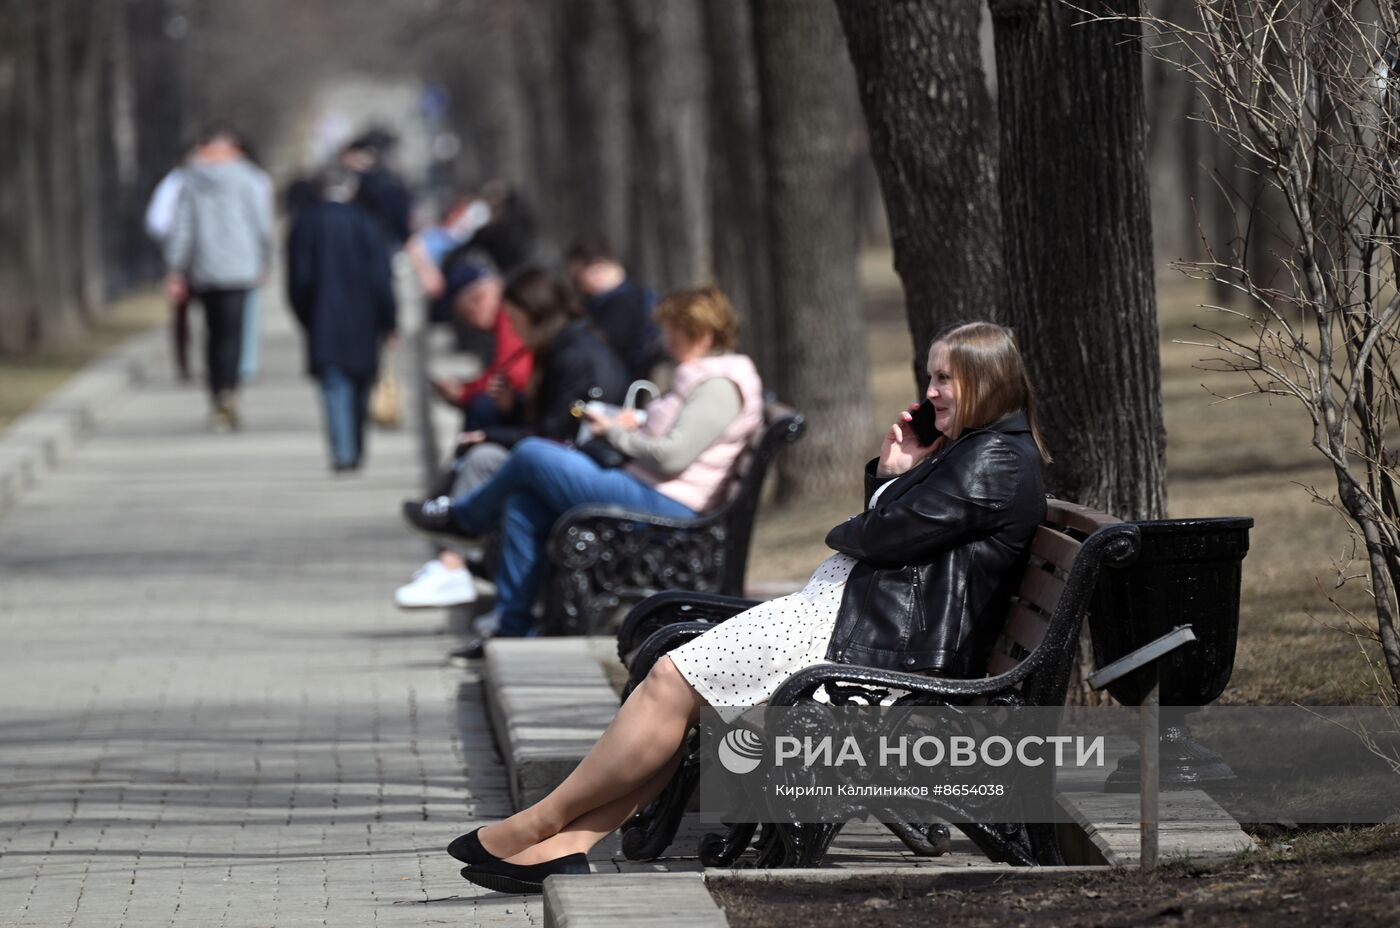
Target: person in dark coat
{"type": "Point", "coordinates": [619, 308]}
{"type": "Point", "coordinates": [379, 191]}
{"type": "Point", "coordinates": [340, 287]}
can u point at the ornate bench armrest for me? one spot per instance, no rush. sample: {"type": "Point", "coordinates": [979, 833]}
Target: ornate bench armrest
{"type": "Point", "coordinates": [658, 644]}
{"type": "Point", "coordinates": [603, 556]}
{"type": "Point", "coordinates": [802, 684]}
{"type": "Point", "coordinates": [670, 607]}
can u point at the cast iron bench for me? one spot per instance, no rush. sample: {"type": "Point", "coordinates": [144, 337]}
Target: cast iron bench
{"type": "Point", "coordinates": [605, 557]}
{"type": "Point", "coordinates": [1029, 666]}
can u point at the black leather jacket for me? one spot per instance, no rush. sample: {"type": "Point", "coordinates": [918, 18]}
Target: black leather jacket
{"type": "Point", "coordinates": [940, 554]}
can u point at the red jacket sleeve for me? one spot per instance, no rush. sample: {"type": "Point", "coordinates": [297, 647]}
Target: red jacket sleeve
{"type": "Point", "coordinates": [511, 359]}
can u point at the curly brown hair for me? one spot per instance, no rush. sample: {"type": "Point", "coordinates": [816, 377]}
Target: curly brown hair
{"type": "Point", "coordinates": [696, 311]}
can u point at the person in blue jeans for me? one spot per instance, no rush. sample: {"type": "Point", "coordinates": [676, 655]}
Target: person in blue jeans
{"type": "Point", "coordinates": [681, 458]}
{"type": "Point", "coordinates": [543, 479]}
{"type": "Point", "coordinates": [339, 287]}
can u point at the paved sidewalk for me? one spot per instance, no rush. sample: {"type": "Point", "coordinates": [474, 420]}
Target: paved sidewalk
{"type": "Point", "coordinates": [210, 712]}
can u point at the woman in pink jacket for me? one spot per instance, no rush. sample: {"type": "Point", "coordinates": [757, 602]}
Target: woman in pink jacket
{"type": "Point", "coordinates": [680, 460]}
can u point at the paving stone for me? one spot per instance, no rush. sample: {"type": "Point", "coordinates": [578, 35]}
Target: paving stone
{"type": "Point", "coordinates": [210, 711]}
{"type": "Point", "coordinates": [678, 900]}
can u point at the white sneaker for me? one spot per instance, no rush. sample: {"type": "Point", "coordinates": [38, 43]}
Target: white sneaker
{"type": "Point", "coordinates": [436, 586]}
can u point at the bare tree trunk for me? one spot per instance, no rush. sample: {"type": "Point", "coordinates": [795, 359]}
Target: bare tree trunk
{"type": "Point", "coordinates": [809, 111]}
{"type": "Point", "coordinates": [931, 124]}
{"type": "Point", "coordinates": [499, 101]}
{"type": "Point", "coordinates": [32, 150]}
{"type": "Point", "coordinates": [599, 127]}
{"type": "Point", "coordinates": [671, 221]}
{"type": "Point", "coordinates": [738, 186]}
{"type": "Point", "coordinates": [59, 317]}
{"type": "Point", "coordinates": [538, 45]}
{"type": "Point", "coordinates": [16, 76]}
{"type": "Point", "coordinates": [1078, 245]}
{"type": "Point", "coordinates": [95, 35]}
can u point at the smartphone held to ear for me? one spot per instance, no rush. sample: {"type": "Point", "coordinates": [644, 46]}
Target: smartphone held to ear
{"type": "Point", "coordinates": [923, 423]}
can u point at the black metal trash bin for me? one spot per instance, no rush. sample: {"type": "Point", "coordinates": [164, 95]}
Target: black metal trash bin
{"type": "Point", "coordinates": [1187, 573]}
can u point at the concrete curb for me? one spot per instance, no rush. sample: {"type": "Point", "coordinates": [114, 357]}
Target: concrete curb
{"type": "Point", "coordinates": [677, 900]}
{"type": "Point", "coordinates": [42, 439]}
{"type": "Point", "coordinates": [549, 701]}
{"type": "Point", "coordinates": [682, 900]}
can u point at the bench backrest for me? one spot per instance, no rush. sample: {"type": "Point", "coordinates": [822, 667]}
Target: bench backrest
{"type": "Point", "coordinates": [1052, 601]}
{"type": "Point", "coordinates": [782, 425]}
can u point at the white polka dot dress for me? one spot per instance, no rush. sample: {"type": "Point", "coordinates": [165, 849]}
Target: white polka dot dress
{"type": "Point", "coordinates": [742, 661]}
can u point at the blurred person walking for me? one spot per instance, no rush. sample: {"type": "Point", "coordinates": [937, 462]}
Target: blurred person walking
{"type": "Point", "coordinates": [160, 222]}
{"type": "Point", "coordinates": [380, 192]}
{"type": "Point", "coordinates": [252, 309]}
{"type": "Point", "coordinates": [340, 287]}
{"type": "Point", "coordinates": [217, 251]}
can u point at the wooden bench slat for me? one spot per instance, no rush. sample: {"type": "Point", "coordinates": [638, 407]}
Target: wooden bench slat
{"type": "Point", "coordinates": [1000, 663]}
{"type": "Point", "coordinates": [1077, 517]}
{"type": "Point", "coordinates": [1025, 627]}
{"type": "Point", "coordinates": [1054, 547]}
{"type": "Point", "coordinates": [1042, 588]}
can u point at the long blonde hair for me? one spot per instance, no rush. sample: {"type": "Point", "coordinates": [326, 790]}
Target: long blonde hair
{"type": "Point", "coordinates": [991, 375]}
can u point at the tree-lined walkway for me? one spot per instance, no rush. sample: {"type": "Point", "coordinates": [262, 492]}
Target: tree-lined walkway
{"type": "Point", "coordinates": [212, 713]}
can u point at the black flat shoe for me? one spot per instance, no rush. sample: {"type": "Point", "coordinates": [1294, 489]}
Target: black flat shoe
{"type": "Point", "coordinates": [475, 650]}
{"type": "Point", "coordinates": [433, 517]}
{"type": "Point", "coordinates": [469, 850]}
{"type": "Point", "coordinates": [514, 878]}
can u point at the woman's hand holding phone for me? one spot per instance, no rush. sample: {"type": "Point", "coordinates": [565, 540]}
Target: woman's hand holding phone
{"type": "Point", "coordinates": [902, 447]}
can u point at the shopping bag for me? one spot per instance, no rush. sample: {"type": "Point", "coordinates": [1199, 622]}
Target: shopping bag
{"type": "Point", "coordinates": [386, 399]}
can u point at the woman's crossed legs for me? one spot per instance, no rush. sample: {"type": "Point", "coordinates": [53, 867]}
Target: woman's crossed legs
{"type": "Point", "coordinates": [626, 769]}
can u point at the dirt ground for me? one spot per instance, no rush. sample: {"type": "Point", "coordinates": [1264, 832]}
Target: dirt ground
{"type": "Point", "coordinates": [1335, 879]}
{"type": "Point", "coordinates": [1248, 456]}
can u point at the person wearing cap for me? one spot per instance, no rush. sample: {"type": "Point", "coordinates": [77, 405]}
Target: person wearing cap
{"type": "Point", "coordinates": [474, 293]}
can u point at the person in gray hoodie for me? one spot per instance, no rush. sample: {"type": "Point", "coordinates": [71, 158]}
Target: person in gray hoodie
{"type": "Point", "coordinates": [217, 251]}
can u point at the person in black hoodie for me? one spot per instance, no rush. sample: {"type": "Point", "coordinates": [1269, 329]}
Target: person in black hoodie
{"type": "Point", "coordinates": [620, 309]}
{"type": "Point", "coordinates": [571, 364]}
{"type": "Point", "coordinates": [340, 287]}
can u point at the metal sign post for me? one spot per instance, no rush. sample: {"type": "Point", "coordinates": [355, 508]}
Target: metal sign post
{"type": "Point", "coordinates": [1148, 784]}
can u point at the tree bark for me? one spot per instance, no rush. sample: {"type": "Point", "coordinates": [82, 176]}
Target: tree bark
{"type": "Point", "coordinates": [94, 35]}
{"type": "Point", "coordinates": [59, 316]}
{"type": "Point", "coordinates": [931, 124]}
{"type": "Point", "coordinates": [1078, 248]}
{"type": "Point", "coordinates": [599, 129]}
{"type": "Point", "coordinates": [16, 71]}
{"type": "Point", "coordinates": [34, 212]}
{"type": "Point", "coordinates": [809, 112]}
{"type": "Point", "coordinates": [738, 187]}
{"type": "Point", "coordinates": [538, 46]}
{"type": "Point", "coordinates": [498, 102]}
{"type": "Point", "coordinates": [671, 221]}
